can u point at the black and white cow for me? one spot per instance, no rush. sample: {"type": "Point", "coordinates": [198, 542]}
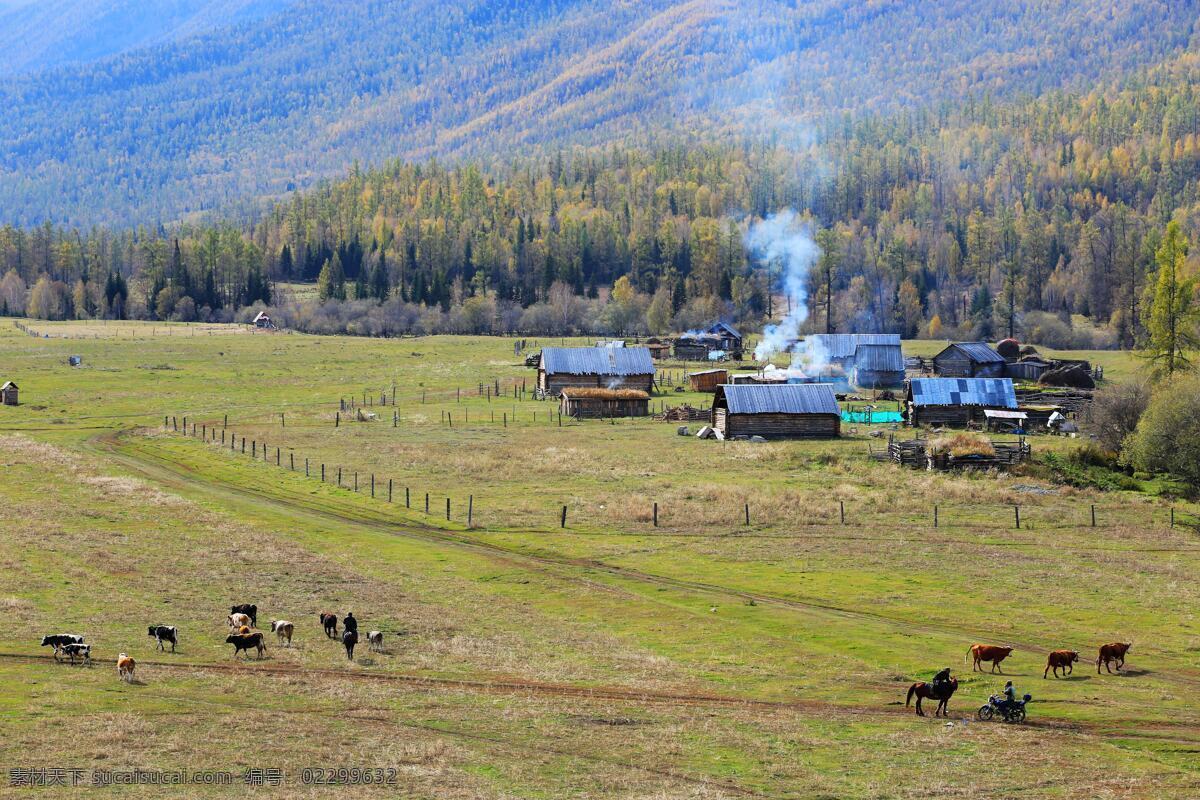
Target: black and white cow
{"type": "Point", "coordinates": [74, 649]}
{"type": "Point", "coordinates": [349, 639]}
{"type": "Point", "coordinates": [57, 640]}
{"type": "Point", "coordinates": [164, 633]}
{"type": "Point", "coordinates": [375, 641]}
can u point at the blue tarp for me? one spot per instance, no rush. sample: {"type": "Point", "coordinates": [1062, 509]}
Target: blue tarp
{"type": "Point", "coordinates": [871, 417]}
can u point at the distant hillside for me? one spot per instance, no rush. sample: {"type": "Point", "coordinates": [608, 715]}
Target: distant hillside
{"type": "Point", "coordinates": [48, 33]}
{"type": "Point", "coordinates": [257, 109]}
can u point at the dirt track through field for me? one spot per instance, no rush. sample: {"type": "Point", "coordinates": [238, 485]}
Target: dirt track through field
{"type": "Point", "coordinates": [168, 472]}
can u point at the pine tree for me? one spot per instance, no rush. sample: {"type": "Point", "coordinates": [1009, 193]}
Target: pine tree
{"type": "Point", "coordinates": [1171, 314]}
{"type": "Point", "coordinates": [380, 280]}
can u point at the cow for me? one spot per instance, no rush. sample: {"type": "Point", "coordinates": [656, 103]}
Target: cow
{"type": "Point", "coordinates": [238, 619]}
{"type": "Point", "coordinates": [249, 609]}
{"type": "Point", "coordinates": [1061, 659]}
{"type": "Point", "coordinates": [247, 642]}
{"type": "Point", "coordinates": [243, 630]}
{"type": "Point", "coordinates": [1113, 651]}
{"type": "Point", "coordinates": [125, 667]}
{"type": "Point", "coordinates": [375, 641]}
{"type": "Point", "coordinates": [164, 633]}
{"type": "Point", "coordinates": [349, 639]}
{"type": "Point", "coordinates": [283, 629]}
{"type": "Point", "coordinates": [988, 652]}
{"type": "Point", "coordinates": [78, 649]}
{"type": "Point", "coordinates": [329, 623]}
{"type": "Point", "coordinates": [57, 640]}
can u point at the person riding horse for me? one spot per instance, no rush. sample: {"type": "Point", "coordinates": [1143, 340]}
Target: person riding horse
{"type": "Point", "coordinates": [940, 682]}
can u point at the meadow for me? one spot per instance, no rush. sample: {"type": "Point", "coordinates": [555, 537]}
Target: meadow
{"type": "Point", "coordinates": [702, 656]}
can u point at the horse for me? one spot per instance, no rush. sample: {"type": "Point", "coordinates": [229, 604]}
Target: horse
{"type": "Point", "coordinates": [924, 691]}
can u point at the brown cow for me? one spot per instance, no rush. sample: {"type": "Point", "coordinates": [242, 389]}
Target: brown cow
{"type": "Point", "coordinates": [1061, 659]}
{"type": "Point", "coordinates": [1113, 651]}
{"type": "Point", "coordinates": [988, 652]}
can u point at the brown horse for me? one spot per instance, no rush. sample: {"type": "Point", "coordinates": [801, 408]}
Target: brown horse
{"type": "Point", "coordinates": [924, 691]}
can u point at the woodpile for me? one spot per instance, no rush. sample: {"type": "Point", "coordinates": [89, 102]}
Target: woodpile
{"type": "Point", "coordinates": [683, 413]}
{"type": "Point", "coordinates": [919, 454]}
{"type": "Point", "coordinates": [1071, 401]}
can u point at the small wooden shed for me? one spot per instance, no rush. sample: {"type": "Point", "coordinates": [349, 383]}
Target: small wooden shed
{"type": "Point", "coordinates": [878, 366]}
{"type": "Point", "coordinates": [708, 380]}
{"type": "Point", "coordinates": [777, 411]}
{"type": "Point", "coordinates": [8, 393]}
{"type": "Point", "coordinates": [659, 348]}
{"type": "Point", "coordinates": [969, 360]}
{"type": "Point", "coordinates": [589, 403]}
{"type": "Point", "coordinates": [263, 320]}
{"type": "Point", "coordinates": [956, 401]}
{"type": "Point", "coordinates": [594, 367]}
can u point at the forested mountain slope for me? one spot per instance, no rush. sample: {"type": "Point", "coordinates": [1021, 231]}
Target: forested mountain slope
{"type": "Point", "coordinates": [36, 34]}
{"type": "Point", "coordinates": [255, 109]}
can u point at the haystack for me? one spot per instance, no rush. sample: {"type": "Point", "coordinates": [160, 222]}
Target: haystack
{"type": "Point", "coordinates": [1072, 377]}
{"type": "Point", "coordinates": [961, 444]}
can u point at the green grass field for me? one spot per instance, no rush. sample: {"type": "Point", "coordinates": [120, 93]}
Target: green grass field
{"type": "Point", "coordinates": [703, 657]}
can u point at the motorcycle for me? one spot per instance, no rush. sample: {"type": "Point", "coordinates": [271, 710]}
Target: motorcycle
{"type": "Point", "coordinates": [1009, 712]}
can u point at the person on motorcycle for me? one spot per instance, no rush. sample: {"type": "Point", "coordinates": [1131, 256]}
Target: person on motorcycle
{"type": "Point", "coordinates": [1010, 696]}
{"type": "Point", "coordinates": [941, 682]}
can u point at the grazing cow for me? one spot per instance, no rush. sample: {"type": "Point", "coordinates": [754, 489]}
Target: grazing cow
{"type": "Point", "coordinates": [57, 640]}
{"type": "Point", "coordinates": [375, 641]}
{"type": "Point", "coordinates": [329, 623]}
{"type": "Point", "coordinates": [164, 633]}
{"type": "Point", "coordinates": [1114, 651]}
{"type": "Point", "coordinates": [249, 609]}
{"type": "Point", "coordinates": [283, 629]}
{"type": "Point", "coordinates": [1061, 659]}
{"type": "Point", "coordinates": [76, 649]}
{"type": "Point", "coordinates": [988, 652]}
{"type": "Point", "coordinates": [349, 639]}
{"type": "Point", "coordinates": [247, 642]}
{"type": "Point", "coordinates": [238, 620]}
{"type": "Point", "coordinates": [125, 667]}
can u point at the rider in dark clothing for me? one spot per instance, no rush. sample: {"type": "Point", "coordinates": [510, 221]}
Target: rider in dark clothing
{"type": "Point", "coordinates": [1010, 695]}
{"type": "Point", "coordinates": [350, 623]}
{"type": "Point", "coordinates": [941, 681]}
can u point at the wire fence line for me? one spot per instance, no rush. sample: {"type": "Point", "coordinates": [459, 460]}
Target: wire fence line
{"type": "Point", "coordinates": [979, 516]}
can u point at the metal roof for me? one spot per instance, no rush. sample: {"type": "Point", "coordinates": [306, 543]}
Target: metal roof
{"type": "Point", "coordinates": [726, 327]}
{"type": "Point", "coordinates": [7, 384]}
{"type": "Point", "coordinates": [780, 398]}
{"type": "Point", "coordinates": [979, 352]}
{"type": "Point", "coordinates": [597, 361]}
{"type": "Point", "coordinates": [844, 345]}
{"type": "Point", "coordinates": [879, 358]}
{"type": "Point", "coordinates": [991, 392]}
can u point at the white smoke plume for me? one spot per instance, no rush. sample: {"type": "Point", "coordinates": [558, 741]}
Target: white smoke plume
{"type": "Point", "coordinates": [786, 240]}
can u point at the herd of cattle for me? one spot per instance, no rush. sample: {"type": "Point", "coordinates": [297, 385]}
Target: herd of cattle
{"type": "Point", "coordinates": [242, 620]}
{"type": "Point", "coordinates": [1111, 653]}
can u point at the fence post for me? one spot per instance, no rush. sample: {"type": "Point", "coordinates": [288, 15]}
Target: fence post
{"type": "Point", "coordinates": [322, 473]}
{"type": "Point", "coordinates": [339, 477]}
{"type": "Point", "coordinates": [277, 462]}
{"type": "Point", "coordinates": [372, 484]}
{"type": "Point", "coordinates": [253, 448]}
{"type": "Point", "coordinates": [306, 467]}
{"type": "Point", "coordinates": [406, 503]}
{"type": "Point", "coordinates": [447, 509]}
{"type": "Point", "coordinates": [337, 419]}
{"type": "Point", "coordinates": [842, 508]}
{"type": "Point", "coordinates": [427, 502]}
{"type": "Point", "coordinates": [470, 510]}
{"type": "Point", "coordinates": [563, 524]}
{"type": "Point", "coordinates": [282, 421]}
{"type": "Point", "coordinates": [356, 481]}
{"type": "Point", "coordinates": [935, 516]}
{"type": "Point", "coordinates": [1172, 516]}
{"type": "Point", "coordinates": [389, 490]}
{"type": "Point", "coordinates": [226, 424]}
{"type": "Point", "coordinates": [1093, 515]}
{"type": "Point", "coordinates": [656, 515]}
{"type": "Point", "coordinates": [747, 513]}
{"type": "Point", "coordinates": [1017, 516]}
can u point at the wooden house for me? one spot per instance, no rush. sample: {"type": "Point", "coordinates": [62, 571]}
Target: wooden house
{"type": "Point", "coordinates": [594, 367]}
{"type": "Point", "coordinates": [659, 348]}
{"type": "Point", "coordinates": [708, 380]}
{"type": "Point", "coordinates": [969, 360]}
{"type": "Point", "coordinates": [777, 411]}
{"type": "Point", "coordinates": [590, 403]}
{"type": "Point", "coordinates": [715, 342]}
{"type": "Point", "coordinates": [956, 401]}
{"type": "Point", "coordinates": [839, 349]}
{"type": "Point", "coordinates": [8, 393]}
{"type": "Point", "coordinates": [878, 366]}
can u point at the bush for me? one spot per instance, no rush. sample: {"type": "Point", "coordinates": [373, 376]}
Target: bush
{"type": "Point", "coordinates": [1116, 411]}
{"type": "Point", "coordinates": [1167, 438]}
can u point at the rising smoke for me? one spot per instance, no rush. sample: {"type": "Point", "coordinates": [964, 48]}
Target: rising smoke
{"type": "Point", "coordinates": [785, 242]}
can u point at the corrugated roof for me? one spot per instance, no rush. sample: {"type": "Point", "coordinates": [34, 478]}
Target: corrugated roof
{"type": "Point", "coordinates": [843, 345]}
{"type": "Point", "coordinates": [780, 398]}
{"type": "Point", "coordinates": [879, 358]}
{"type": "Point", "coordinates": [727, 328]}
{"type": "Point", "coordinates": [979, 352]}
{"type": "Point", "coordinates": [991, 392]}
{"type": "Point", "coordinates": [597, 361]}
